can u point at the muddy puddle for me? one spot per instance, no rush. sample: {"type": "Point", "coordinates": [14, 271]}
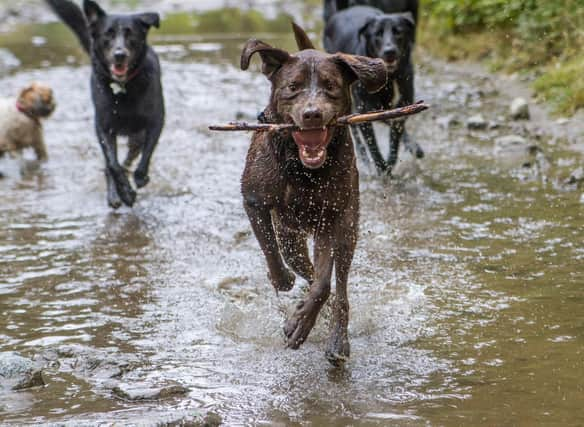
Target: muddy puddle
{"type": "Point", "coordinates": [466, 290]}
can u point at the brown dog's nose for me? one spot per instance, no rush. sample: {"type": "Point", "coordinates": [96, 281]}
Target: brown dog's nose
{"type": "Point", "coordinates": [312, 117]}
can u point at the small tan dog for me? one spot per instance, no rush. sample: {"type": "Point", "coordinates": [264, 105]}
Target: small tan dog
{"type": "Point", "coordinates": [20, 120]}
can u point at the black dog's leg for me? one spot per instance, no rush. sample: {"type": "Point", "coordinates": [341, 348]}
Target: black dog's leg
{"type": "Point", "coordinates": [361, 149]}
{"type": "Point", "coordinates": [405, 84]}
{"type": "Point", "coordinates": [115, 172]}
{"type": "Point", "coordinates": [396, 130]}
{"type": "Point", "coordinates": [369, 135]}
{"type": "Point", "coordinates": [141, 177]}
{"type": "Point", "coordinates": [134, 147]}
{"type": "Point", "coordinates": [412, 146]}
{"type": "Point", "coordinates": [113, 198]}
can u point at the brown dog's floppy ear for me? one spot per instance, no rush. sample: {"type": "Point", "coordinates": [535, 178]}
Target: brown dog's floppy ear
{"type": "Point", "coordinates": [272, 58]}
{"type": "Point", "coordinates": [302, 40]}
{"type": "Point", "coordinates": [369, 71]}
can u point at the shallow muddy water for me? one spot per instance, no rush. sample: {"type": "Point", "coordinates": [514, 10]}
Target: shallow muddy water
{"type": "Point", "coordinates": [466, 291]}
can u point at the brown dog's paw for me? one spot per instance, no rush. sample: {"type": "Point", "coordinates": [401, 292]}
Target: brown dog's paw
{"type": "Point", "coordinates": [338, 349]}
{"type": "Point", "coordinates": [300, 324]}
{"type": "Point", "coordinates": [285, 283]}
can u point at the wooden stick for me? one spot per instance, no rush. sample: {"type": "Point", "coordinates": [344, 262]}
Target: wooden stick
{"type": "Point", "coordinates": [351, 119]}
{"type": "Point", "coordinates": [382, 115]}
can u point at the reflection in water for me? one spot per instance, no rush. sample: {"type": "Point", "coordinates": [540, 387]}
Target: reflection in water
{"type": "Point", "coordinates": [465, 292]}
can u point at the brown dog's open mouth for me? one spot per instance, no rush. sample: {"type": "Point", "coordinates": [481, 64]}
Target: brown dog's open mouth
{"type": "Point", "coordinates": [312, 145]}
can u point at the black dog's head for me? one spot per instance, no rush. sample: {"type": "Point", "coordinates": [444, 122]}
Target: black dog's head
{"type": "Point", "coordinates": [311, 89]}
{"type": "Point", "coordinates": [389, 37]}
{"type": "Point", "coordinates": [119, 41]}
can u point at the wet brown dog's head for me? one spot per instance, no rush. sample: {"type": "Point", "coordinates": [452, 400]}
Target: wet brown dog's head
{"type": "Point", "coordinates": [37, 100]}
{"type": "Point", "coordinates": [311, 89]}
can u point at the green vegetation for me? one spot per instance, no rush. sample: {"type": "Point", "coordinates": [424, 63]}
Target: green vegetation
{"type": "Point", "coordinates": [543, 38]}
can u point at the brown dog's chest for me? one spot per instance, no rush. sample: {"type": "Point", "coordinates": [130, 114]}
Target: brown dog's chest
{"type": "Point", "coordinates": [306, 208]}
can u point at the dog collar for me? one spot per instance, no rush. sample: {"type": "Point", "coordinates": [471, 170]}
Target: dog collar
{"type": "Point", "coordinates": [27, 113]}
{"type": "Point", "coordinates": [120, 88]}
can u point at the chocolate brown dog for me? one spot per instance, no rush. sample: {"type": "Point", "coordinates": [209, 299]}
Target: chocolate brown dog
{"type": "Point", "coordinates": [20, 120]}
{"type": "Point", "coordinates": [302, 183]}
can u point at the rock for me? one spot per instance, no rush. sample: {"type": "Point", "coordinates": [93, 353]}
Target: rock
{"type": "Point", "coordinates": [519, 109]}
{"type": "Point", "coordinates": [8, 61]}
{"type": "Point", "coordinates": [477, 122]}
{"type": "Point", "coordinates": [575, 177]}
{"type": "Point", "coordinates": [134, 394]}
{"type": "Point", "coordinates": [447, 122]}
{"type": "Point", "coordinates": [19, 373]}
{"type": "Point", "coordinates": [514, 150]}
{"type": "Point", "coordinates": [562, 121]}
{"type": "Point", "coordinates": [210, 420]}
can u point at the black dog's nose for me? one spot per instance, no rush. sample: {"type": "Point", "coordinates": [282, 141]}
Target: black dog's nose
{"type": "Point", "coordinates": [312, 117]}
{"type": "Point", "coordinates": [120, 55]}
{"type": "Point", "coordinates": [390, 54]}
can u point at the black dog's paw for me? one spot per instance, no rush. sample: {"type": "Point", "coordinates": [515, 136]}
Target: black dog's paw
{"type": "Point", "coordinates": [114, 201]}
{"type": "Point", "coordinates": [419, 152]}
{"type": "Point", "coordinates": [127, 194]}
{"type": "Point", "coordinates": [141, 179]}
{"type": "Point", "coordinates": [285, 283]}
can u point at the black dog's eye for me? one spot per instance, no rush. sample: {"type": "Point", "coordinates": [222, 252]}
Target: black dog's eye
{"type": "Point", "coordinates": [396, 31]}
{"type": "Point", "coordinates": [110, 33]}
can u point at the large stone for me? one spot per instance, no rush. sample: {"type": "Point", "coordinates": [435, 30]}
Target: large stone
{"type": "Point", "coordinates": [19, 373]}
{"type": "Point", "coordinates": [515, 150]}
{"type": "Point", "coordinates": [140, 393]}
{"type": "Point", "coordinates": [477, 122]}
{"type": "Point", "coordinates": [519, 109]}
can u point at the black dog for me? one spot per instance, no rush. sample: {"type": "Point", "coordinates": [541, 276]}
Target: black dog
{"type": "Point", "coordinates": [386, 6]}
{"type": "Point", "coordinates": [363, 30]}
{"type": "Point", "coordinates": [125, 87]}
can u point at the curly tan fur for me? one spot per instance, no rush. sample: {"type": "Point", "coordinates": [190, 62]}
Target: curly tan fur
{"type": "Point", "coordinates": [20, 120]}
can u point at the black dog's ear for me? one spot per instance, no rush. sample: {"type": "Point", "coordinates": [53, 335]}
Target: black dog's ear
{"type": "Point", "coordinates": [408, 18]}
{"type": "Point", "coordinates": [365, 26]}
{"type": "Point", "coordinates": [150, 19]}
{"type": "Point", "coordinates": [302, 40]}
{"type": "Point", "coordinates": [272, 58]}
{"type": "Point", "coordinates": [93, 12]}
{"type": "Point", "coordinates": [369, 71]}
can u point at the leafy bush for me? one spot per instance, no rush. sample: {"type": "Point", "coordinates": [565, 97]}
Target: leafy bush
{"type": "Point", "coordinates": [521, 35]}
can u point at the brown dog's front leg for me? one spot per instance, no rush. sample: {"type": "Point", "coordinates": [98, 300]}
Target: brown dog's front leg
{"type": "Point", "coordinates": [261, 223]}
{"type": "Point", "coordinates": [338, 348]}
{"type": "Point", "coordinates": [302, 321]}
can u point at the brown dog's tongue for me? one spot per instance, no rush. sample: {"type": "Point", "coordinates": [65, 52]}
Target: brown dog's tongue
{"type": "Point", "coordinates": [312, 146]}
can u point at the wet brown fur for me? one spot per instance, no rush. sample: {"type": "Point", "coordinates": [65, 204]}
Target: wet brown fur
{"type": "Point", "coordinates": [20, 130]}
{"type": "Point", "coordinates": [287, 202]}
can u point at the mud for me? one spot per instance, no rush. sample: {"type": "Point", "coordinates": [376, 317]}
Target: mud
{"type": "Point", "coordinates": [466, 305]}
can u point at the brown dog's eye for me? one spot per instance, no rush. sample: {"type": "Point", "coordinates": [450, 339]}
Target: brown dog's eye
{"type": "Point", "coordinates": [293, 87]}
{"type": "Point", "coordinates": [329, 86]}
